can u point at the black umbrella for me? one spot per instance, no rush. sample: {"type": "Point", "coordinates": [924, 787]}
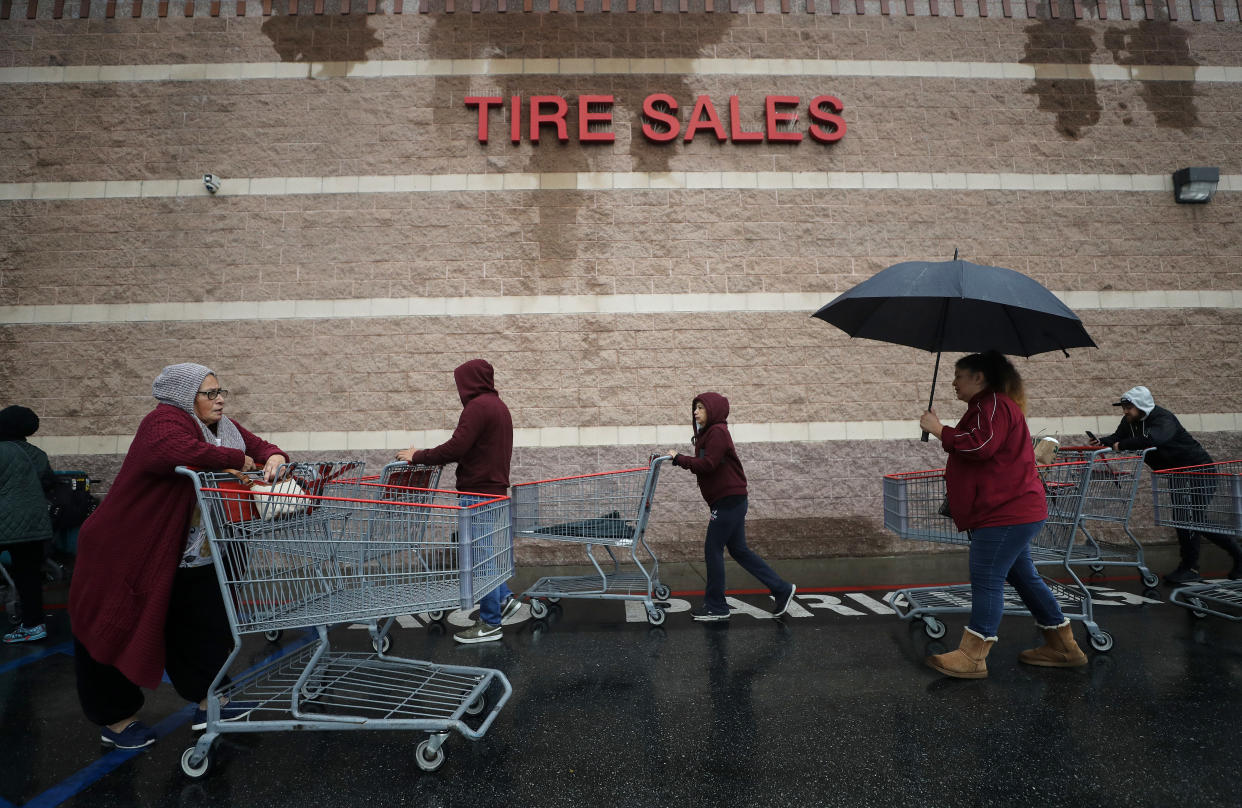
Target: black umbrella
{"type": "Point", "coordinates": [957, 306]}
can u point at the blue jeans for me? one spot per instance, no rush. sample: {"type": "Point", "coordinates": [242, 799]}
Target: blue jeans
{"type": "Point", "coordinates": [490, 604]}
{"type": "Point", "coordinates": [999, 554]}
{"type": "Point", "coordinates": [727, 528]}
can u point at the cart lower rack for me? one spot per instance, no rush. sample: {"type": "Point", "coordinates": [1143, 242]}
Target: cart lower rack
{"type": "Point", "coordinates": [914, 505]}
{"type": "Point", "coordinates": [608, 510]}
{"type": "Point", "coordinates": [327, 560]}
{"type": "Point", "coordinates": [1205, 499]}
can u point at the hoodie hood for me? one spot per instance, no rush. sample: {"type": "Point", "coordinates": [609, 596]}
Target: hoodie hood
{"type": "Point", "coordinates": [717, 407]}
{"type": "Point", "coordinates": [1140, 397]}
{"type": "Point", "coordinates": [474, 378]}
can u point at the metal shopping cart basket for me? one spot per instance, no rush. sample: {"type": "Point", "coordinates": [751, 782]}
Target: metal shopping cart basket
{"type": "Point", "coordinates": [1207, 499]}
{"type": "Point", "coordinates": [405, 482]}
{"type": "Point", "coordinates": [341, 559]}
{"type": "Point", "coordinates": [1109, 498]}
{"type": "Point", "coordinates": [608, 510]}
{"type": "Point", "coordinates": [913, 509]}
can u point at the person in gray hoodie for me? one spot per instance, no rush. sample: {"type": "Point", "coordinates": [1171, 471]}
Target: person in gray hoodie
{"type": "Point", "coordinates": [1145, 425]}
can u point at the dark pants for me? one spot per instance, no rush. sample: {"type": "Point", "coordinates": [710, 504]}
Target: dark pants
{"type": "Point", "coordinates": [28, 578]}
{"type": "Point", "coordinates": [1189, 542]}
{"type": "Point", "coordinates": [727, 528]}
{"type": "Point", "coordinates": [197, 641]}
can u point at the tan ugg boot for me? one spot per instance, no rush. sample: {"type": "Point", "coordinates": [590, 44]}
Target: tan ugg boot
{"type": "Point", "coordinates": [968, 661]}
{"type": "Point", "coordinates": [1060, 649]}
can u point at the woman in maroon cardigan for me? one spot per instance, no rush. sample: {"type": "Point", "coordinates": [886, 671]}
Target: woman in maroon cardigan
{"type": "Point", "coordinates": [144, 597]}
{"type": "Point", "coordinates": [996, 495]}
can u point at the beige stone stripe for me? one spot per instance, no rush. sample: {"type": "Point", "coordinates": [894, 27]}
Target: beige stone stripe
{"type": "Point", "coordinates": [351, 308]}
{"type": "Point", "coordinates": [603, 181]}
{"type": "Point", "coordinates": [664, 435]}
{"type": "Point", "coordinates": [401, 68]}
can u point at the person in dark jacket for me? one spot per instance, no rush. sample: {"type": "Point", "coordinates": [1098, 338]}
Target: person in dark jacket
{"type": "Point", "coordinates": [25, 479]}
{"type": "Point", "coordinates": [482, 448]}
{"type": "Point", "coordinates": [723, 485]}
{"type": "Point", "coordinates": [1145, 425]}
{"type": "Point", "coordinates": [995, 493]}
{"type": "Point", "coordinates": [144, 597]}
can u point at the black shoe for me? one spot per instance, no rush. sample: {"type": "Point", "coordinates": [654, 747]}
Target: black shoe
{"type": "Point", "coordinates": [1182, 575]}
{"type": "Point", "coordinates": [701, 613]}
{"type": "Point", "coordinates": [782, 602]}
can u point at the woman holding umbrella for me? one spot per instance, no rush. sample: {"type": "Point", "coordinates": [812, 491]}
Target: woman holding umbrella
{"type": "Point", "coordinates": [995, 493]}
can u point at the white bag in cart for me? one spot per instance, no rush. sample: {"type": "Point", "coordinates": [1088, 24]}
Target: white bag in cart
{"type": "Point", "coordinates": [272, 507]}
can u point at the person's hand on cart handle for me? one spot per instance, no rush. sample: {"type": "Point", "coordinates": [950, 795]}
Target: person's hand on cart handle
{"type": "Point", "coordinates": [248, 464]}
{"type": "Point", "coordinates": [672, 453]}
{"type": "Point", "coordinates": [405, 454]}
{"type": "Point", "coordinates": [272, 465]}
{"type": "Point", "coordinates": [930, 422]}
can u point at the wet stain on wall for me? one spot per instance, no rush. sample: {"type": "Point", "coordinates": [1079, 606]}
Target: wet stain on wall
{"type": "Point", "coordinates": [322, 39]}
{"type": "Point", "coordinates": [1073, 101]}
{"type": "Point", "coordinates": [1158, 43]}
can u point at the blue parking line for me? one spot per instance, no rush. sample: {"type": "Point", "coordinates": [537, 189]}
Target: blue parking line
{"type": "Point", "coordinates": [14, 664]}
{"type": "Point", "coordinates": [84, 778]}
{"type": "Point", "coordinates": [87, 777]}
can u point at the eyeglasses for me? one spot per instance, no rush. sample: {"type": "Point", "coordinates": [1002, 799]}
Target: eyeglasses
{"type": "Point", "coordinates": [211, 394]}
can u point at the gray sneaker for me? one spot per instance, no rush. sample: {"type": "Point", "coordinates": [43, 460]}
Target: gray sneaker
{"type": "Point", "coordinates": [479, 632]}
{"type": "Point", "coordinates": [509, 607]}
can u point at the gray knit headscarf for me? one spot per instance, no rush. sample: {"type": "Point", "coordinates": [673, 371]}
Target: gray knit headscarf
{"type": "Point", "coordinates": [178, 385]}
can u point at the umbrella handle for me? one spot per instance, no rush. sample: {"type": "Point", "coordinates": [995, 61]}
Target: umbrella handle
{"type": "Point", "coordinates": [924, 438]}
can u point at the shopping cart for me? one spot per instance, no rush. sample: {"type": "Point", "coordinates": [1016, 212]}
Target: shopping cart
{"type": "Point", "coordinates": [1109, 498]}
{"type": "Point", "coordinates": [1207, 499]}
{"type": "Point", "coordinates": [406, 482]}
{"type": "Point", "coordinates": [608, 510]}
{"type": "Point", "coordinates": [340, 560]}
{"type": "Point", "coordinates": [913, 510]}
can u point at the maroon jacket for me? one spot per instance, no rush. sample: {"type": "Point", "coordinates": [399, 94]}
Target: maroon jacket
{"type": "Point", "coordinates": [991, 473]}
{"type": "Point", "coordinates": [715, 462]}
{"type": "Point", "coordinates": [129, 548]}
{"type": "Point", "coordinates": [482, 443]}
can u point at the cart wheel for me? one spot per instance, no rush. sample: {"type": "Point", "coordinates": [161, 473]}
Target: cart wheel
{"type": "Point", "coordinates": [655, 616]}
{"type": "Point", "coordinates": [553, 599]}
{"type": "Point", "coordinates": [190, 767]}
{"type": "Point", "coordinates": [382, 646]}
{"type": "Point", "coordinates": [1102, 641]}
{"type": "Point", "coordinates": [435, 616]}
{"type": "Point", "coordinates": [662, 592]}
{"type": "Point", "coordinates": [1151, 580]}
{"type": "Point", "coordinates": [934, 628]}
{"type": "Point", "coordinates": [273, 636]}
{"type": "Point", "coordinates": [475, 707]}
{"type": "Point", "coordinates": [427, 760]}
{"type": "Point", "coordinates": [1199, 611]}
{"type": "Point", "coordinates": [1097, 568]}
{"type": "Point", "coordinates": [538, 609]}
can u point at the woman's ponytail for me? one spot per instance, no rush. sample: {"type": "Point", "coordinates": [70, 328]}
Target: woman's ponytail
{"type": "Point", "coordinates": [999, 373]}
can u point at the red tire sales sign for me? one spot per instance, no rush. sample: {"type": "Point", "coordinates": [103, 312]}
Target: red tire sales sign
{"type": "Point", "coordinates": [660, 122]}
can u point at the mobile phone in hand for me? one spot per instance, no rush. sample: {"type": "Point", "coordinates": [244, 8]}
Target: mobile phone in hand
{"type": "Point", "coordinates": [1092, 436]}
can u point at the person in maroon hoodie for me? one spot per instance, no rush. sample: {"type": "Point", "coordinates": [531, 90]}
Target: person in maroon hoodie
{"type": "Point", "coordinates": [482, 448]}
{"type": "Point", "coordinates": [723, 485]}
{"type": "Point", "coordinates": [996, 495]}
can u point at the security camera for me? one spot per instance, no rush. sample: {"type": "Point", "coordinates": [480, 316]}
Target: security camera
{"type": "Point", "coordinates": [211, 182]}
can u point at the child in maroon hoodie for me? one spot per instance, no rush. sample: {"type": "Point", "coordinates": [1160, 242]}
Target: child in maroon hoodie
{"type": "Point", "coordinates": [723, 484]}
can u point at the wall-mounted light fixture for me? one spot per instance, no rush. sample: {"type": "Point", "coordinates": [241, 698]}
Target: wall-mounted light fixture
{"type": "Point", "coordinates": [1195, 185]}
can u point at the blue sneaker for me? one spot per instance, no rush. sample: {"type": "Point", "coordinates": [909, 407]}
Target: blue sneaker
{"type": "Point", "coordinates": [135, 736]}
{"type": "Point", "coordinates": [26, 634]}
{"type": "Point", "coordinates": [233, 711]}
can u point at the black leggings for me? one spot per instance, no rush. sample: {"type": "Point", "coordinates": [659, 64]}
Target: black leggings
{"type": "Point", "coordinates": [28, 578]}
{"type": "Point", "coordinates": [197, 641]}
